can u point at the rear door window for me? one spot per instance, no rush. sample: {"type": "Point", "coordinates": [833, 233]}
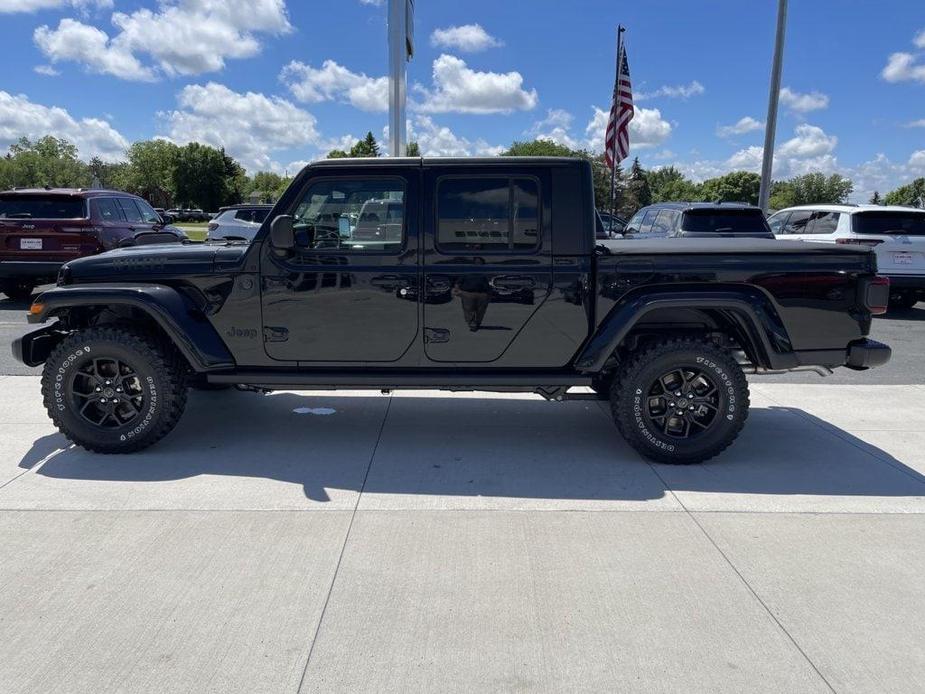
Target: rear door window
{"type": "Point", "coordinates": [900, 223]}
{"type": "Point", "coordinates": [130, 210]}
{"type": "Point", "coordinates": [106, 210]}
{"type": "Point", "coordinates": [486, 214]}
{"type": "Point", "coordinates": [825, 222]}
{"type": "Point", "coordinates": [42, 207]}
{"type": "Point", "coordinates": [800, 222]}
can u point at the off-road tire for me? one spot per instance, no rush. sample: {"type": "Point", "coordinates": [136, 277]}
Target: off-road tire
{"type": "Point", "coordinates": [17, 290]}
{"type": "Point", "coordinates": [629, 398]}
{"type": "Point", "coordinates": [160, 372]}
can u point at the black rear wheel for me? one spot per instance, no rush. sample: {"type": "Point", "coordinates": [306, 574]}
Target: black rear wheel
{"type": "Point", "coordinates": [114, 390]}
{"type": "Point", "coordinates": [17, 290]}
{"type": "Point", "coordinates": [680, 401]}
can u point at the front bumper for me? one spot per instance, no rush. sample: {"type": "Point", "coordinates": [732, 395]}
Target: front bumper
{"type": "Point", "coordinates": [32, 349]}
{"type": "Point", "coordinates": [29, 268]}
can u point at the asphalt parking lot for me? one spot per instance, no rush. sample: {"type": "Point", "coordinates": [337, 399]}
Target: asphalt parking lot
{"type": "Point", "coordinates": [354, 541]}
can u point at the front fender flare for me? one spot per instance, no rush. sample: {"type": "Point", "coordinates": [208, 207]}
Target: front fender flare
{"type": "Point", "coordinates": [751, 310]}
{"type": "Point", "coordinates": [189, 330]}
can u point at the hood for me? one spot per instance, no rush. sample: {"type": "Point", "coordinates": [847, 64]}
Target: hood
{"type": "Point", "coordinates": [143, 263]}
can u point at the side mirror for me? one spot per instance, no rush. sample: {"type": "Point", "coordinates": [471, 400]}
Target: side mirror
{"type": "Point", "coordinates": [282, 235]}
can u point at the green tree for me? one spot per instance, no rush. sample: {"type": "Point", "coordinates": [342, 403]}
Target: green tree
{"type": "Point", "coordinates": [48, 161]}
{"type": "Point", "coordinates": [413, 150]}
{"type": "Point", "coordinates": [266, 184]}
{"type": "Point", "coordinates": [367, 147]}
{"type": "Point", "coordinates": [912, 194]}
{"type": "Point", "coordinates": [737, 186]}
{"type": "Point", "coordinates": [206, 177]}
{"type": "Point", "coordinates": [150, 171]}
{"type": "Point", "coordinates": [875, 199]}
{"type": "Point", "coordinates": [670, 185]}
{"type": "Point", "coordinates": [815, 188]}
{"type": "Point", "coordinates": [636, 193]}
{"type": "Point", "coordinates": [337, 154]}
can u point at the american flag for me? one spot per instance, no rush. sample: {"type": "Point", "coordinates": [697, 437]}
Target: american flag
{"type": "Point", "coordinates": [617, 136]}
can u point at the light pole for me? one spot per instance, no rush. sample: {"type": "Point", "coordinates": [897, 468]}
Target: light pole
{"type": "Point", "coordinates": [401, 49]}
{"type": "Point", "coordinates": [770, 127]}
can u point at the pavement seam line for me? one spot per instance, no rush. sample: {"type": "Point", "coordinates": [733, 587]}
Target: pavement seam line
{"type": "Point", "coordinates": [745, 582]}
{"type": "Point", "coordinates": [343, 548]}
{"type": "Point", "coordinates": [837, 433]}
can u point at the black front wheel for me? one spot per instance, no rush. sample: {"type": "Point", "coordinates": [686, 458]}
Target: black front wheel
{"type": "Point", "coordinates": [114, 390]}
{"type": "Point", "coordinates": [680, 401]}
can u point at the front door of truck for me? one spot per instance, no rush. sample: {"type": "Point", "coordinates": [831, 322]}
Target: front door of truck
{"type": "Point", "coordinates": [487, 260]}
{"type": "Point", "coordinates": [349, 290]}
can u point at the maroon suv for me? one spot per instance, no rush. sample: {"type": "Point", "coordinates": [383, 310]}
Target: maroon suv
{"type": "Point", "coordinates": [43, 228]}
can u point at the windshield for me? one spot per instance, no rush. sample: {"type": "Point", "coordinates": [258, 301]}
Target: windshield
{"type": "Point", "coordinates": [41, 207]}
{"type": "Point", "coordinates": [909, 223]}
{"type": "Point", "coordinates": [725, 221]}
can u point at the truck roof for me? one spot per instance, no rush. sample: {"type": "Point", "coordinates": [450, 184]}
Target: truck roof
{"type": "Point", "coordinates": [76, 192]}
{"type": "Point", "coordinates": [374, 162]}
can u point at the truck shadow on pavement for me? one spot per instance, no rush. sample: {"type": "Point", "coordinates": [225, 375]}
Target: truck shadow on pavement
{"type": "Point", "coordinates": [476, 447]}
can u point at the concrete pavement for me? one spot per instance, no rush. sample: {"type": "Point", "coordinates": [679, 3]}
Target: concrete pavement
{"type": "Point", "coordinates": [322, 542]}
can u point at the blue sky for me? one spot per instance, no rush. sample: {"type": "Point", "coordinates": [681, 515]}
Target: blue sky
{"type": "Point", "coordinates": [278, 83]}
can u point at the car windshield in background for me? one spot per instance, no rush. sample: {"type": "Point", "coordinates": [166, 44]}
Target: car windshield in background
{"type": "Point", "coordinates": [724, 221]}
{"type": "Point", "coordinates": [902, 223]}
{"type": "Point", "coordinates": [41, 207]}
{"type": "Point", "coordinates": [260, 215]}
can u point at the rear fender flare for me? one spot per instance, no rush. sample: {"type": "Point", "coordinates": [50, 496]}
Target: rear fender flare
{"type": "Point", "coordinates": [752, 311]}
{"type": "Point", "coordinates": [185, 325]}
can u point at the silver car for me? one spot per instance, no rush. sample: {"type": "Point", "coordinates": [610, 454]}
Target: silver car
{"type": "Point", "coordinates": [237, 222]}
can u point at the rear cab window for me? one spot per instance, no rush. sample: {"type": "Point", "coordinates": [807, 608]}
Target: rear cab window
{"type": "Point", "coordinates": [129, 209]}
{"type": "Point", "coordinates": [488, 213]}
{"type": "Point", "coordinates": [106, 210]}
{"type": "Point", "coordinates": [725, 221]}
{"type": "Point", "coordinates": [899, 223]}
{"type": "Point", "coordinates": [42, 207]}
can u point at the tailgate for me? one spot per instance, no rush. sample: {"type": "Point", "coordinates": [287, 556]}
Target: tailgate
{"type": "Point", "coordinates": [899, 235]}
{"type": "Point", "coordinates": [47, 240]}
{"type": "Point", "coordinates": [902, 255]}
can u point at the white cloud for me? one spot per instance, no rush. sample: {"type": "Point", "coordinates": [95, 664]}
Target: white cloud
{"type": "Point", "coordinates": [556, 127]}
{"type": "Point", "coordinates": [12, 6]}
{"type": "Point", "coordinates": [439, 141]}
{"type": "Point", "coordinates": [468, 37]}
{"type": "Point", "coordinates": [680, 91]}
{"type": "Point", "coordinates": [373, 3]}
{"type": "Point", "coordinates": [46, 70]}
{"type": "Point", "coordinates": [181, 37]}
{"type": "Point", "coordinates": [920, 123]}
{"type": "Point", "coordinates": [335, 82]}
{"type": "Point", "coordinates": [917, 160]}
{"type": "Point", "coordinates": [809, 141]}
{"type": "Point", "coordinates": [803, 103]}
{"type": "Point", "coordinates": [94, 137]}
{"type": "Point", "coordinates": [919, 39]}
{"type": "Point", "coordinates": [79, 42]}
{"type": "Point", "coordinates": [460, 89]}
{"type": "Point", "coordinates": [903, 67]}
{"type": "Point", "coordinates": [250, 126]}
{"type": "Point", "coordinates": [647, 129]}
{"type": "Point", "coordinates": [742, 126]}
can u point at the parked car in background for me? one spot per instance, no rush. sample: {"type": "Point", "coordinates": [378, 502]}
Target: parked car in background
{"type": "Point", "coordinates": [168, 219]}
{"type": "Point", "coordinates": [897, 235]}
{"type": "Point", "coordinates": [237, 221]}
{"type": "Point", "coordinates": [611, 224]}
{"type": "Point", "coordinates": [43, 228]}
{"type": "Point", "coordinates": [698, 220]}
{"type": "Point", "coordinates": [188, 215]}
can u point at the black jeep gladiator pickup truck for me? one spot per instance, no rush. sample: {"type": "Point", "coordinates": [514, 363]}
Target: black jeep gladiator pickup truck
{"type": "Point", "coordinates": [458, 274]}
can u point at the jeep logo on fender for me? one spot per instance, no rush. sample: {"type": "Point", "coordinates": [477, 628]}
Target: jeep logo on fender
{"type": "Point", "coordinates": [241, 332]}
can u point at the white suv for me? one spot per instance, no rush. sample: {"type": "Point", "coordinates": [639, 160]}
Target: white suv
{"type": "Point", "coordinates": [237, 222]}
{"type": "Point", "coordinates": [897, 235]}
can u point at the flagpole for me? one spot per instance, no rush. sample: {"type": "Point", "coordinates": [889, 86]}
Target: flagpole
{"type": "Point", "coordinates": [613, 171]}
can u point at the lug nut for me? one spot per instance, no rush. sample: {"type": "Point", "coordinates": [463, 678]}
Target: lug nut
{"type": "Point", "coordinates": [102, 399]}
{"type": "Point", "coordinates": [690, 396]}
{"type": "Point", "coordinates": [678, 394]}
{"type": "Point", "coordinates": [98, 389]}
{"type": "Point", "coordinates": [691, 408]}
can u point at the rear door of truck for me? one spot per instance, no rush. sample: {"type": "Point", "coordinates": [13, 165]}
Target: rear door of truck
{"type": "Point", "coordinates": [487, 258]}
